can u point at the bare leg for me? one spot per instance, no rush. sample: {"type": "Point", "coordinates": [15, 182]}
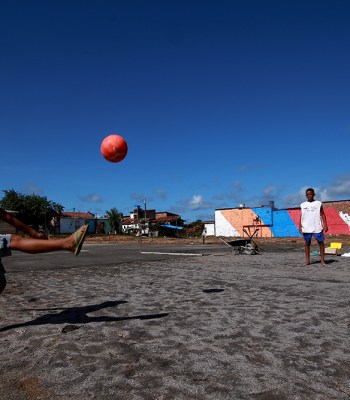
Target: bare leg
{"type": "Point", "coordinates": [33, 246]}
{"type": "Point", "coordinates": [30, 245]}
{"type": "Point", "coordinates": [307, 253]}
{"type": "Point", "coordinates": [323, 262]}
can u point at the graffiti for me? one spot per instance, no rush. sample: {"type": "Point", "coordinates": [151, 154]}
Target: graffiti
{"type": "Point", "coordinates": [271, 222]}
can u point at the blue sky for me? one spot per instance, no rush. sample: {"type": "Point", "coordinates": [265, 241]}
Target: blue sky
{"type": "Point", "coordinates": [221, 102]}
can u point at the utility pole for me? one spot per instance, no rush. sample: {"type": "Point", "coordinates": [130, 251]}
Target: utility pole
{"type": "Point", "coordinates": [144, 202]}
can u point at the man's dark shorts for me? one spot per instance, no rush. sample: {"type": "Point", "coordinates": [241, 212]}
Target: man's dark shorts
{"type": "Point", "coordinates": [5, 243]}
{"type": "Point", "coordinates": [5, 251]}
{"type": "Point", "coordinates": [2, 274]}
{"type": "Point", "coordinates": [318, 236]}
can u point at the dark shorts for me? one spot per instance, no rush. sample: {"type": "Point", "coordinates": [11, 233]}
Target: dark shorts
{"type": "Point", "coordinates": [2, 273]}
{"type": "Point", "coordinates": [318, 236]}
{"type": "Point", "coordinates": [5, 251]}
{"type": "Point", "coordinates": [5, 242]}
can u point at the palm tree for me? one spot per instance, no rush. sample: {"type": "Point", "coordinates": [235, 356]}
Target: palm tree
{"type": "Point", "coordinates": [114, 219]}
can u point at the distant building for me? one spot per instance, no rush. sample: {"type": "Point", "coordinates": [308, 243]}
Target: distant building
{"type": "Point", "coordinates": [69, 222]}
{"type": "Point", "coordinates": [141, 221]}
{"type": "Point", "coordinates": [267, 221]}
{"type": "Point", "coordinates": [209, 228]}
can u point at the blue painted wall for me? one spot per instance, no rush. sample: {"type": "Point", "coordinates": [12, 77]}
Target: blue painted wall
{"type": "Point", "coordinates": [265, 214]}
{"type": "Point", "coordinates": [283, 225]}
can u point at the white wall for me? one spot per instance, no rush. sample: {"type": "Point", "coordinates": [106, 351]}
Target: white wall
{"type": "Point", "coordinates": [209, 229]}
{"type": "Point", "coordinates": [345, 217]}
{"type": "Point", "coordinates": [223, 227]}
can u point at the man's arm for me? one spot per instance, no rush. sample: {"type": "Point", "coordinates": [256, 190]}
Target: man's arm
{"type": "Point", "coordinates": [324, 219]}
{"type": "Point", "coordinates": [19, 225]}
{"type": "Point", "coordinates": [300, 224]}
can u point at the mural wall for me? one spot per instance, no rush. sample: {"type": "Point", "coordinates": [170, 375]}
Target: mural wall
{"type": "Point", "coordinates": [269, 222]}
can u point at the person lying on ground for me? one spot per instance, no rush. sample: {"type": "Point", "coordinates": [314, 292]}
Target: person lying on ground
{"type": "Point", "coordinates": [38, 242]}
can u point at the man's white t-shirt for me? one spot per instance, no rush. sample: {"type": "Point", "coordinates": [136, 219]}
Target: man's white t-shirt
{"type": "Point", "coordinates": [311, 221]}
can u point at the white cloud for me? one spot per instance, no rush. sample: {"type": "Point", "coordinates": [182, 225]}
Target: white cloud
{"type": "Point", "coordinates": [91, 198]}
{"type": "Point", "coordinates": [339, 189]}
{"type": "Point", "coordinates": [161, 194]}
{"type": "Point", "coordinates": [32, 188]}
{"type": "Point", "coordinates": [196, 202]}
{"type": "Point", "coordinates": [137, 196]}
{"type": "Point", "coordinates": [269, 191]}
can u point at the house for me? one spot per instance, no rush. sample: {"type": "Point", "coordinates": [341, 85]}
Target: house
{"type": "Point", "coordinates": [170, 224]}
{"type": "Point", "coordinates": [140, 221]}
{"type": "Point", "coordinates": [69, 222]}
{"type": "Point", "coordinates": [168, 218]}
{"type": "Point", "coordinates": [131, 225]}
{"type": "Point", "coordinates": [209, 228]}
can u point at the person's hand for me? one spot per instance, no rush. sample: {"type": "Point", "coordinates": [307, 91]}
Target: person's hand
{"type": "Point", "coordinates": [326, 229]}
{"type": "Point", "coordinates": [40, 235]}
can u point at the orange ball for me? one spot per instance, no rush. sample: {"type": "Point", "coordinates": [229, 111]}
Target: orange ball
{"type": "Point", "coordinates": [114, 148]}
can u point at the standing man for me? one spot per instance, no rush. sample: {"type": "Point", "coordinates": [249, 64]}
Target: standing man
{"type": "Point", "coordinates": [313, 223]}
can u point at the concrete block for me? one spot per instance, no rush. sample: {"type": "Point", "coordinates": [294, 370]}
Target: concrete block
{"type": "Point", "coordinates": [330, 250]}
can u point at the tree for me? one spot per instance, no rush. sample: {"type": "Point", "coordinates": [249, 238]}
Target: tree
{"type": "Point", "coordinates": [195, 229]}
{"type": "Point", "coordinates": [32, 209]}
{"type": "Point", "coordinates": [114, 217]}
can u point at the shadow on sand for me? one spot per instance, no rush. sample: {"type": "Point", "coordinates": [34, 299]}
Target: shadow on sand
{"type": "Point", "coordinates": [78, 315]}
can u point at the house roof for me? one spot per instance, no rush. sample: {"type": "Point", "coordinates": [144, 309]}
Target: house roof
{"type": "Point", "coordinates": [168, 218]}
{"type": "Point", "coordinates": [168, 214]}
{"type": "Point", "coordinates": [128, 221]}
{"type": "Point", "coordinates": [82, 215]}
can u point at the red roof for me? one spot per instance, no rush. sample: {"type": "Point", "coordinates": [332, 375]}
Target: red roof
{"type": "Point", "coordinates": [168, 218]}
{"type": "Point", "coordinates": [128, 221]}
{"type": "Point", "coordinates": [82, 215]}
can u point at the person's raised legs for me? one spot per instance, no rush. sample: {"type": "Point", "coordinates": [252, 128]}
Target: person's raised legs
{"type": "Point", "coordinates": [71, 243]}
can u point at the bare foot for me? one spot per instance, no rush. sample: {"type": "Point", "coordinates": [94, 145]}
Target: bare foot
{"type": "Point", "coordinates": [76, 239]}
{"type": "Point", "coordinates": [79, 238]}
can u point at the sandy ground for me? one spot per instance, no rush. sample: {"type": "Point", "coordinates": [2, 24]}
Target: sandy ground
{"type": "Point", "coordinates": [221, 326]}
